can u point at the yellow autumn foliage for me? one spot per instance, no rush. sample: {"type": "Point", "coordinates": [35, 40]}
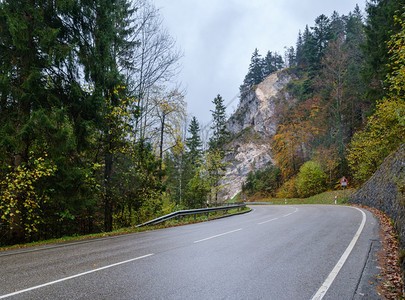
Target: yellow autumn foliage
{"type": "Point", "coordinates": [19, 197]}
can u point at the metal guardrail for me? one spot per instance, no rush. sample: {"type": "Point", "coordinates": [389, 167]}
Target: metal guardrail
{"type": "Point", "coordinates": [258, 203]}
{"type": "Point", "coordinates": [181, 213]}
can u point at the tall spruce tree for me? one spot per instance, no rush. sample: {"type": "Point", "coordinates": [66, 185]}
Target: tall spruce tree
{"type": "Point", "coordinates": [104, 47]}
{"type": "Point", "coordinates": [220, 133]}
{"type": "Point", "coordinates": [321, 32]}
{"type": "Point", "coordinates": [299, 55]}
{"type": "Point", "coordinates": [33, 86]}
{"type": "Point", "coordinates": [193, 142]}
{"type": "Point", "coordinates": [215, 164]}
{"type": "Point", "coordinates": [271, 63]}
{"type": "Point", "coordinates": [254, 75]}
{"type": "Point", "coordinates": [380, 26]}
{"type": "Point", "coordinates": [358, 105]}
{"type": "Point", "coordinates": [337, 25]}
{"type": "Point", "coordinates": [309, 50]}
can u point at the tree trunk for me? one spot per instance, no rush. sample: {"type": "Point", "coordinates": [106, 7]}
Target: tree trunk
{"type": "Point", "coordinates": [161, 141]}
{"type": "Point", "coordinates": [108, 205]}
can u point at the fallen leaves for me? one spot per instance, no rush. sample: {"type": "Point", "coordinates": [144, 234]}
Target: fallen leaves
{"type": "Point", "coordinates": [390, 279]}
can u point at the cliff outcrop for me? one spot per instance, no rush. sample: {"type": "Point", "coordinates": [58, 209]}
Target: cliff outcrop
{"type": "Point", "coordinates": [252, 126]}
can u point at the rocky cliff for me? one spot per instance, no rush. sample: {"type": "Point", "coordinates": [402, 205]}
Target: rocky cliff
{"type": "Point", "coordinates": [385, 190]}
{"type": "Point", "coordinates": [252, 126]}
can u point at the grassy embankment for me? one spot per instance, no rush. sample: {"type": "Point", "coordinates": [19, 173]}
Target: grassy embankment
{"type": "Point", "coordinates": [170, 223]}
{"type": "Point", "coordinates": [323, 198]}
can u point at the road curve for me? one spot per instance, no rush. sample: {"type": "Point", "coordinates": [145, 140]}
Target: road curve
{"type": "Point", "coordinates": [273, 252]}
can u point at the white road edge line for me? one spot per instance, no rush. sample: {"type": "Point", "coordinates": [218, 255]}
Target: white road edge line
{"type": "Point", "coordinates": [218, 235]}
{"type": "Point", "coordinates": [73, 276]}
{"type": "Point", "coordinates": [296, 209]}
{"type": "Point", "coordinates": [329, 280]}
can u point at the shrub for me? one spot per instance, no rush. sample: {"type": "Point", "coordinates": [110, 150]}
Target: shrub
{"type": "Point", "coordinates": [311, 179]}
{"type": "Point", "coordinates": [288, 189]}
{"type": "Point", "coordinates": [384, 132]}
{"type": "Point", "coordinates": [265, 181]}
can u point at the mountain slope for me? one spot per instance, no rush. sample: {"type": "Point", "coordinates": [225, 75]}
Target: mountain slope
{"type": "Point", "coordinates": [252, 126]}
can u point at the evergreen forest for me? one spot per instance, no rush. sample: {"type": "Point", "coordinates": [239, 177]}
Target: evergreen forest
{"type": "Point", "coordinates": [94, 134]}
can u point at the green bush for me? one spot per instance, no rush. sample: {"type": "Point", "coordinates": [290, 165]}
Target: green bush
{"type": "Point", "coordinates": [288, 189]}
{"type": "Point", "coordinates": [311, 179]}
{"type": "Point", "coordinates": [265, 181]}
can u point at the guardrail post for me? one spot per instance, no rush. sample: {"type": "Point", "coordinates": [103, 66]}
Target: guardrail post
{"type": "Point", "coordinates": [195, 217]}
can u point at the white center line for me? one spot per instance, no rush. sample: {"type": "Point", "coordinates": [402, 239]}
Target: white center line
{"type": "Point", "coordinates": [328, 282]}
{"type": "Point", "coordinates": [267, 221]}
{"type": "Point", "coordinates": [218, 235]}
{"type": "Point", "coordinates": [74, 276]}
{"type": "Point", "coordinates": [296, 209]}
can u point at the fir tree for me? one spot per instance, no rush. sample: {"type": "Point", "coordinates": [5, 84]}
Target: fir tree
{"type": "Point", "coordinates": [299, 56]}
{"type": "Point", "coordinates": [309, 50]}
{"type": "Point", "coordinates": [291, 57]}
{"type": "Point", "coordinates": [380, 26]}
{"type": "Point", "coordinates": [321, 35]}
{"type": "Point", "coordinates": [32, 87]}
{"type": "Point", "coordinates": [104, 47]}
{"type": "Point", "coordinates": [254, 75]}
{"type": "Point", "coordinates": [194, 143]}
{"type": "Point", "coordinates": [271, 63]}
{"type": "Point", "coordinates": [337, 25]}
{"type": "Point", "coordinates": [220, 133]}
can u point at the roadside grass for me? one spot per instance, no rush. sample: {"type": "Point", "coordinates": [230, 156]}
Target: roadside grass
{"type": "Point", "coordinates": [323, 198]}
{"type": "Point", "coordinates": [170, 223]}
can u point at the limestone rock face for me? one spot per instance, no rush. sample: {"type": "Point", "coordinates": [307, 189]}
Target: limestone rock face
{"type": "Point", "coordinates": [252, 126]}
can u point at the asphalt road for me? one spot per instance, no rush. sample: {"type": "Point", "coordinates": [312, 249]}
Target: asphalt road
{"type": "Point", "coordinates": [273, 252]}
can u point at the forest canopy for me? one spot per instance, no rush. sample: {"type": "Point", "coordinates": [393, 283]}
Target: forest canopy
{"type": "Point", "coordinates": [349, 109]}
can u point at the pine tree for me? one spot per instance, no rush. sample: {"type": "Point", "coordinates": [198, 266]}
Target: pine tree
{"type": "Point", "coordinates": [32, 86]}
{"type": "Point", "coordinates": [321, 35]}
{"type": "Point", "coordinates": [299, 56]}
{"type": "Point", "coordinates": [104, 47]}
{"type": "Point", "coordinates": [358, 105]}
{"type": "Point", "coordinates": [183, 164]}
{"type": "Point", "coordinates": [380, 26]}
{"type": "Point", "coordinates": [271, 63]}
{"type": "Point", "coordinates": [309, 50]}
{"type": "Point", "coordinates": [254, 75]}
{"type": "Point", "coordinates": [220, 133]}
{"type": "Point", "coordinates": [290, 57]}
{"type": "Point", "coordinates": [337, 25]}
{"type": "Point", "coordinates": [194, 143]}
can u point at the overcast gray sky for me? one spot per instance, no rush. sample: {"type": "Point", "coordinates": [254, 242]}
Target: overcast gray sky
{"type": "Point", "coordinates": [218, 38]}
